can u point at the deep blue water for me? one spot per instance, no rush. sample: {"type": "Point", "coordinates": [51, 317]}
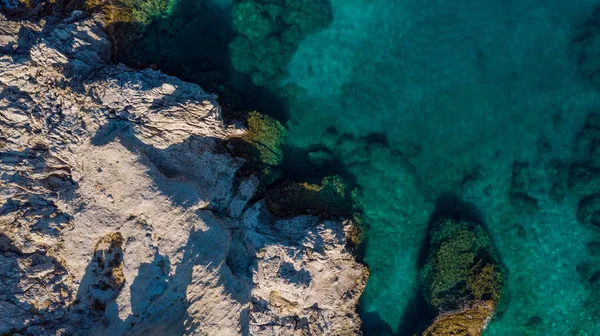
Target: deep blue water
{"type": "Point", "coordinates": [409, 100]}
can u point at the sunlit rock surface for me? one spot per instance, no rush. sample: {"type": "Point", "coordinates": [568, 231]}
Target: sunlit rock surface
{"type": "Point", "coordinates": [121, 212]}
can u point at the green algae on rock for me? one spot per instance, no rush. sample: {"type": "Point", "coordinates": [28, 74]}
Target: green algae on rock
{"type": "Point", "coordinates": [268, 34]}
{"type": "Point", "coordinates": [260, 146]}
{"type": "Point", "coordinates": [462, 277]}
{"type": "Point", "coordinates": [331, 198]}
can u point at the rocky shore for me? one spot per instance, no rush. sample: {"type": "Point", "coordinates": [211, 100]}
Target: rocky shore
{"type": "Point", "coordinates": [122, 210]}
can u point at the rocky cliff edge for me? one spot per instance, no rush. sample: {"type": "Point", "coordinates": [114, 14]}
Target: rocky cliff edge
{"type": "Point", "coordinates": [121, 212]}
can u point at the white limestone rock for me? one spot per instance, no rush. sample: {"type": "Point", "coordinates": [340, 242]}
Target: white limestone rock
{"type": "Point", "coordinates": [121, 212]}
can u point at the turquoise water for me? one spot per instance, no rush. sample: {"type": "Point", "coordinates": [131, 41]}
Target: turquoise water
{"type": "Point", "coordinates": [412, 99]}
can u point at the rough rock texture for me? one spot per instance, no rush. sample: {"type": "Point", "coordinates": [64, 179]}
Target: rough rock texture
{"type": "Point", "coordinates": [121, 212]}
{"type": "Point", "coordinates": [462, 276]}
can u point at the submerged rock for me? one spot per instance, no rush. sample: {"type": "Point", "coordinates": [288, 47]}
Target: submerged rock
{"type": "Point", "coordinates": [584, 176]}
{"type": "Point", "coordinates": [268, 34]}
{"type": "Point", "coordinates": [586, 48]}
{"type": "Point", "coordinates": [520, 187]}
{"type": "Point", "coordinates": [331, 198]}
{"type": "Point", "coordinates": [462, 277]}
{"type": "Point", "coordinates": [260, 146]}
{"type": "Point", "coordinates": [588, 210]}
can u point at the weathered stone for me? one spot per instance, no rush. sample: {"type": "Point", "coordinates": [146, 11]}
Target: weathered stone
{"type": "Point", "coordinates": [462, 276]}
{"type": "Point", "coordinates": [117, 186]}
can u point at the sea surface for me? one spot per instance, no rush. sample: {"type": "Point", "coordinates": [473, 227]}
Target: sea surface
{"type": "Point", "coordinates": [409, 100]}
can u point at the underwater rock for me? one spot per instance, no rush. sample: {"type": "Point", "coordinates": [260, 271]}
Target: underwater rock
{"type": "Point", "coordinates": [521, 182]}
{"type": "Point", "coordinates": [260, 146]}
{"type": "Point", "coordinates": [469, 320]}
{"type": "Point", "coordinates": [588, 210]}
{"type": "Point", "coordinates": [557, 173]}
{"type": "Point", "coordinates": [329, 199]}
{"type": "Point", "coordinates": [544, 147]}
{"type": "Point", "coordinates": [127, 20]}
{"type": "Point", "coordinates": [524, 202]}
{"type": "Point", "coordinates": [595, 153]}
{"type": "Point", "coordinates": [557, 192]}
{"type": "Point", "coordinates": [268, 34]}
{"type": "Point", "coordinates": [590, 131]}
{"type": "Point", "coordinates": [533, 324]}
{"type": "Point", "coordinates": [590, 274]}
{"type": "Point", "coordinates": [585, 47]}
{"type": "Point", "coordinates": [462, 276]}
{"type": "Point", "coordinates": [320, 158]}
{"type": "Point", "coordinates": [594, 249]}
{"type": "Point", "coordinates": [583, 179]}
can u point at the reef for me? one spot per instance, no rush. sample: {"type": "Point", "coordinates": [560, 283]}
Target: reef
{"type": "Point", "coordinates": [268, 33]}
{"type": "Point", "coordinates": [462, 276]}
{"type": "Point", "coordinates": [123, 212]}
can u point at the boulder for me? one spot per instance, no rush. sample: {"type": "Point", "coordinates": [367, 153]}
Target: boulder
{"type": "Point", "coordinates": [462, 276]}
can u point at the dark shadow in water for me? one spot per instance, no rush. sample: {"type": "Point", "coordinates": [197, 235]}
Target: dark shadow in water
{"type": "Point", "coordinates": [414, 320]}
{"type": "Point", "coordinates": [450, 205]}
{"type": "Point", "coordinates": [373, 325]}
{"type": "Point", "coordinates": [191, 43]}
{"type": "Point", "coordinates": [297, 165]}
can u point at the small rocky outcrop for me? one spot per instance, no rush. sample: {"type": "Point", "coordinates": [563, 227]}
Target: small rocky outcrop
{"type": "Point", "coordinates": [462, 276]}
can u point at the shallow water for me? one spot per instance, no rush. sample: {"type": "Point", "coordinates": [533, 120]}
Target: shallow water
{"type": "Point", "coordinates": [411, 100]}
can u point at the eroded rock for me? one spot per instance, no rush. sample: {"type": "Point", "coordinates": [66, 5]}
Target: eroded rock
{"type": "Point", "coordinates": [117, 186]}
{"type": "Point", "coordinates": [462, 277]}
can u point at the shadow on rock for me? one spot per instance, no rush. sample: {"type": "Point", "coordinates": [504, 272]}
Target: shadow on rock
{"type": "Point", "coordinates": [33, 293]}
{"type": "Point", "coordinates": [192, 43]}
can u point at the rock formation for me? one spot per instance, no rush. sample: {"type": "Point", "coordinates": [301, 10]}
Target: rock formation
{"type": "Point", "coordinates": [122, 211]}
{"type": "Point", "coordinates": [462, 276]}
